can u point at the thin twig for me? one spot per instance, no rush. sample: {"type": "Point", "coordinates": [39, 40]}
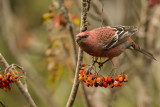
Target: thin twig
{"type": "Point", "coordinates": [99, 12]}
{"type": "Point", "coordinates": [85, 9]}
{"type": "Point", "coordinates": [2, 104]}
{"type": "Point", "coordinates": [19, 84]}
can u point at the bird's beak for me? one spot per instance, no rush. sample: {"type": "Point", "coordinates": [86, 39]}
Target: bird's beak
{"type": "Point", "coordinates": [78, 38]}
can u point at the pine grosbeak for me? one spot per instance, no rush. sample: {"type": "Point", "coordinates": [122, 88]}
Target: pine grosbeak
{"type": "Point", "coordinates": [109, 41]}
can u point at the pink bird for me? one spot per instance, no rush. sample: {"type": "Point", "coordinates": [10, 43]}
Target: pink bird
{"type": "Point", "coordinates": [109, 41]}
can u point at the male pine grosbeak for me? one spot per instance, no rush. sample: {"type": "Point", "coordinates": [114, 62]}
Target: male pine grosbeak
{"type": "Point", "coordinates": [109, 41]}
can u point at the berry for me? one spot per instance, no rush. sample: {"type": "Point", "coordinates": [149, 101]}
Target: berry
{"type": "Point", "coordinates": [1, 76]}
{"type": "Point", "coordinates": [81, 71]}
{"type": "Point", "coordinates": [87, 84]}
{"type": "Point", "coordinates": [111, 85]}
{"type": "Point", "coordinates": [80, 78]}
{"type": "Point", "coordinates": [15, 71]}
{"type": "Point", "coordinates": [125, 76]}
{"type": "Point", "coordinates": [8, 75]}
{"type": "Point", "coordinates": [82, 68]}
{"type": "Point", "coordinates": [106, 79]}
{"type": "Point", "coordinates": [83, 65]}
{"type": "Point", "coordinates": [116, 83]}
{"type": "Point", "coordinates": [89, 78]}
{"type": "Point", "coordinates": [120, 78]}
{"type": "Point", "coordinates": [109, 79]}
{"type": "Point", "coordinates": [120, 84]}
{"type": "Point", "coordinates": [105, 84]}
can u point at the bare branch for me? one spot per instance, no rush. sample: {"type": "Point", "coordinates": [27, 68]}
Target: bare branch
{"type": "Point", "coordinates": [85, 8]}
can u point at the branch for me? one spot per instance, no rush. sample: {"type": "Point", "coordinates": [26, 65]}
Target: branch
{"type": "Point", "coordinates": [72, 36]}
{"type": "Point", "coordinates": [19, 84]}
{"type": "Point", "coordinates": [9, 35]}
{"type": "Point", "coordinates": [85, 8]}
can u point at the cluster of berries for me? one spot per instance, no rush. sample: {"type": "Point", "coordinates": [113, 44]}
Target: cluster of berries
{"type": "Point", "coordinates": [153, 2]}
{"type": "Point", "coordinates": [95, 80]}
{"type": "Point", "coordinates": [5, 81]}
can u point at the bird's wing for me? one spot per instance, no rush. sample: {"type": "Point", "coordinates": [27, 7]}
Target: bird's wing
{"type": "Point", "coordinates": [121, 35]}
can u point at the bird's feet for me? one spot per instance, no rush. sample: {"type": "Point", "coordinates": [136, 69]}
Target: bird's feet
{"type": "Point", "coordinates": [101, 63]}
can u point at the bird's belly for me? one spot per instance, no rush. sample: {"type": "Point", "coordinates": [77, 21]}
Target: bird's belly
{"type": "Point", "coordinates": [99, 52]}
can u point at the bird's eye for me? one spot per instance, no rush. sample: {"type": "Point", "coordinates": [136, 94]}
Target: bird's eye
{"type": "Point", "coordinates": [85, 36]}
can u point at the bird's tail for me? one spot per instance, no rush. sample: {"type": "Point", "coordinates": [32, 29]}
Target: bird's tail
{"type": "Point", "coordinates": [137, 48]}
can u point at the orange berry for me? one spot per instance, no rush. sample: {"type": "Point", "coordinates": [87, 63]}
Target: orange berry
{"type": "Point", "coordinates": [89, 78]}
{"type": "Point", "coordinates": [81, 71]}
{"type": "Point", "coordinates": [120, 79]}
{"type": "Point", "coordinates": [98, 79]}
{"type": "Point", "coordinates": [8, 75]}
{"type": "Point", "coordinates": [10, 78]}
{"type": "Point", "coordinates": [105, 84]}
{"type": "Point", "coordinates": [111, 85]}
{"type": "Point", "coordinates": [120, 84]}
{"type": "Point", "coordinates": [82, 68]}
{"type": "Point", "coordinates": [14, 79]}
{"type": "Point", "coordinates": [125, 76]}
{"type": "Point", "coordinates": [21, 76]}
{"type": "Point", "coordinates": [116, 83]}
{"type": "Point", "coordinates": [109, 79]}
{"type": "Point", "coordinates": [85, 77]}
{"type": "Point", "coordinates": [80, 78]}
{"type": "Point", "coordinates": [1, 76]}
{"type": "Point", "coordinates": [15, 71]}
{"type": "Point", "coordinates": [87, 84]}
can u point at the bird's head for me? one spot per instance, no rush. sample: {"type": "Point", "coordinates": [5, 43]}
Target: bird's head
{"type": "Point", "coordinates": [82, 37]}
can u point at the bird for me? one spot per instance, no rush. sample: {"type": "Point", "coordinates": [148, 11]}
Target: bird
{"type": "Point", "coordinates": [109, 41]}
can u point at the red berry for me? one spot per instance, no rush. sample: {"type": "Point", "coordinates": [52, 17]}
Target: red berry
{"type": "Point", "coordinates": [83, 65]}
{"type": "Point", "coordinates": [116, 83]}
{"type": "Point", "coordinates": [87, 84]}
{"type": "Point", "coordinates": [111, 85]}
{"type": "Point", "coordinates": [109, 79]}
{"type": "Point", "coordinates": [106, 79]}
{"type": "Point", "coordinates": [120, 84]}
{"type": "Point", "coordinates": [105, 84]}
